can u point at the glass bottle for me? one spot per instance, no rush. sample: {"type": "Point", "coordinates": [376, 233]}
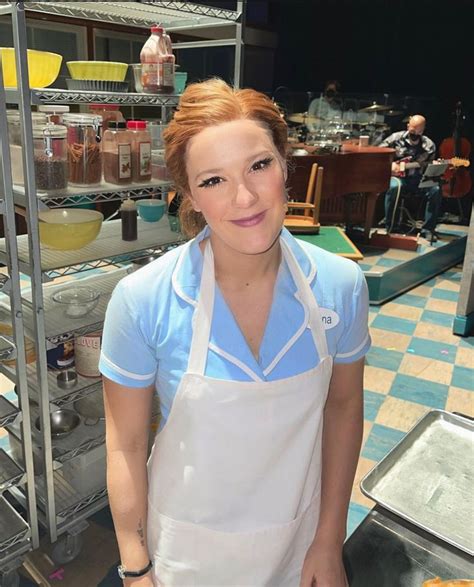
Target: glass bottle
{"type": "Point", "coordinates": [128, 215]}
{"type": "Point", "coordinates": [50, 156]}
{"type": "Point", "coordinates": [108, 112]}
{"type": "Point", "coordinates": [117, 153]}
{"type": "Point", "coordinates": [141, 150]}
{"type": "Point", "coordinates": [84, 148]}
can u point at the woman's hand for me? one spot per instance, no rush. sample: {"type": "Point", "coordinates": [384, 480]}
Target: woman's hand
{"type": "Point", "coordinates": [323, 567]}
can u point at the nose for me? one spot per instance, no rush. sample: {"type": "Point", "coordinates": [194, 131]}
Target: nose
{"type": "Point", "coordinates": [244, 197]}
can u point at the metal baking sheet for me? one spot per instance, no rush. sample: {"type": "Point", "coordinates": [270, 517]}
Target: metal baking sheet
{"type": "Point", "coordinates": [428, 478]}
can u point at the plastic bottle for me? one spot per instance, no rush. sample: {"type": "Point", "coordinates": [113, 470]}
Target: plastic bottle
{"type": "Point", "coordinates": [128, 214]}
{"type": "Point", "coordinates": [117, 153]}
{"type": "Point", "coordinates": [141, 150]}
{"type": "Point", "coordinates": [158, 62]}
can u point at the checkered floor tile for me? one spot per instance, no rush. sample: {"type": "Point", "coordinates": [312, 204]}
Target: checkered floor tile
{"type": "Point", "coordinates": [415, 364]}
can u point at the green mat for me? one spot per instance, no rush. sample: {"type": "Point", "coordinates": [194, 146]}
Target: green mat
{"type": "Point", "coordinates": [333, 239]}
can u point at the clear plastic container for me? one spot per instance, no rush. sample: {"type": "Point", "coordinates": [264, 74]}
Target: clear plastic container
{"type": "Point", "coordinates": [51, 159]}
{"type": "Point", "coordinates": [84, 148]}
{"type": "Point", "coordinates": [14, 138]}
{"type": "Point", "coordinates": [141, 150]}
{"type": "Point", "coordinates": [54, 112]}
{"type": "Point", "coordinates": [158, 166]}
{"type": "Point", "coordinates": [158, 63]}
{"type": "Point", "coordinates": [117, 153]}
{"type": "Point", "coordinates": [156, 131]}
{"type": "Point", "coordinates": [108, 112]}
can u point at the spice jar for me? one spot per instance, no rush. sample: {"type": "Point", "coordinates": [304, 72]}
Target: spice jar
{"type": "Point", "coordinates": [141, 150]}
{"type": "Point", "coordinates": [14, 138]}
{"type": "Point", "coordinates": [128, 215]}
{"type": "Point", "coordinates": [50, 155]}
{"type": "Point", "coordinates": [117, 153]}
{"type": "Point", "coordinates": [84, 148]}
{"type": "Point", "coordinates": [54, 112]}
{"type": "Point", "coordinates": [108, 112]}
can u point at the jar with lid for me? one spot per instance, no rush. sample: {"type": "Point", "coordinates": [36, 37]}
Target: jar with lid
{"type": "Point", "coordinates": [108, 112]}
{"type": "Point", "coordinates": [141, 150]}
{"type": "Point", "coordinates": [54, 112]}
{"type": "Point", "coordinates": [117, 153]}
{"type": "Point", "coordinates": [14, 139]}
{"type": "Point", "coordinates": [50, 155]}
{"type": "Point", "coordinates": [84, 148]}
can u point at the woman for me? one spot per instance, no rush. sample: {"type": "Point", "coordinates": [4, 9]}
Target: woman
{"type": "Point", "coordinates": [254, 343]}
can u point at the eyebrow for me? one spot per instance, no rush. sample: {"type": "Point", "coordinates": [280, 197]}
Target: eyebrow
{"type": "Point", "coordinates": [219, 169]}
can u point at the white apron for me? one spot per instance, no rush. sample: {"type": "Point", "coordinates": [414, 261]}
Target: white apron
{"type": "Point", "coordinates": [235, 474]}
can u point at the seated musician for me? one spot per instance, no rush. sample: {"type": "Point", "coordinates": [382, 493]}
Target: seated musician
{"type": "Point", "coordinates": [327, 107]}
{"type": "Point", "coordinates": [414, 151]}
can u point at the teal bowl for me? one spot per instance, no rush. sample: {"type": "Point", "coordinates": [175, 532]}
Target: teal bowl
{"type": "Point", "coordinates": [180, 78]}
{"type": "Point", "coordinates": [151, 210]}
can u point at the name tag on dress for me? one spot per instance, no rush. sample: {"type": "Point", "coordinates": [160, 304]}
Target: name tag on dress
{"type": "Point", "coordinates": [329, 318]}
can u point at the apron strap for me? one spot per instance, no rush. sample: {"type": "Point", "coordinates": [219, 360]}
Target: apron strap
{"type": "Point", "coordinates": [307, 297]}
{"type": "Point", "coordinates": [202, 317]}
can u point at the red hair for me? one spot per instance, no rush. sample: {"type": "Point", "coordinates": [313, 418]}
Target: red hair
{"type": "Point", "coordinates": [206, 104]}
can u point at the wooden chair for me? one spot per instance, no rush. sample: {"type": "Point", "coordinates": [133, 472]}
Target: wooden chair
{"type": "Point", "coordinates": [308, 221]}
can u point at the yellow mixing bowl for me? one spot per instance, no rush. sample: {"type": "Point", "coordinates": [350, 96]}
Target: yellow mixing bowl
{"type": "Point", "coordinates": [68, 229]}
{"type": "Point", "coordinates": [43, 67]}
{"type": "Point", "coordinates": [111, 71]}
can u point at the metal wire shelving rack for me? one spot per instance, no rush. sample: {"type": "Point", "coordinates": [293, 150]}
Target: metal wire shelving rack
{"type": "Point", "coordinates": [56, 504]}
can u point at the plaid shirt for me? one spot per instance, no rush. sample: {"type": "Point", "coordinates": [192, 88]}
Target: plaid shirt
{"type": "Point", "coordinates": [422, 152]}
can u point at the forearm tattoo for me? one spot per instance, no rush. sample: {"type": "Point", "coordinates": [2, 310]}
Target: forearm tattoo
{"type": "Point", "coordinates": [141, 532]}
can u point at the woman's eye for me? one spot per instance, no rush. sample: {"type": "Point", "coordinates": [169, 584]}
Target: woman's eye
{"type": "Point", "coordinates": [262, 164]}
{"type": "Point", "coordinates": [211, 182]}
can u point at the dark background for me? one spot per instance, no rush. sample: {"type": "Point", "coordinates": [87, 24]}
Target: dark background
{"type": "Point", "coordinates": [415, 54]}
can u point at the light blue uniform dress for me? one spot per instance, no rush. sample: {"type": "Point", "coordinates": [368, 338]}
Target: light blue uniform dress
{"type": "Point", "coordinates": [148, 326]}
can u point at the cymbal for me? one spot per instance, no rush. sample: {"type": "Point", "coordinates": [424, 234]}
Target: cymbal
{"type": "Point", "coordinates": [302, 117]}
{"type": "Point", "coordinates": [376, 108]}
{"type": "Point", "coordinates": [393, 112]}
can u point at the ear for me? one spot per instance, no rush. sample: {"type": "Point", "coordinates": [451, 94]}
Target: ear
{"type": "Point", "coordinates": [193, 202]}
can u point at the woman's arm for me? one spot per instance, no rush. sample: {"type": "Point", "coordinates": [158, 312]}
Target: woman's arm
{"type": "Point", "coordinates": [342, 437]}
{"type": "Point", "coordinates": [128, 417]}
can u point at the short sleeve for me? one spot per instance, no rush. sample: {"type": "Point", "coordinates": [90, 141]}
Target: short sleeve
{"type": "Point", "coordinates": [354, 342]}
{"type": "Point", "coordinates": [126, 356]}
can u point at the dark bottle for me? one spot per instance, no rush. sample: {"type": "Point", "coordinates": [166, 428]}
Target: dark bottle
{"type": "Point", "coordinates": [128, 214]}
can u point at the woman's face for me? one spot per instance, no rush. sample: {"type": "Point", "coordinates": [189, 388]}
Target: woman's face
{"type": "Point", "coordinates": [237, 180]}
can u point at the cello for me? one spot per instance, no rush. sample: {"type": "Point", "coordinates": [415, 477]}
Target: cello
{"type": "Point", "coordinates": [457, 180]}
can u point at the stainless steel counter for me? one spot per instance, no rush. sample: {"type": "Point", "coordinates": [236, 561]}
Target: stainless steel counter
{"type": "Point", "coordinates": [385, 551]}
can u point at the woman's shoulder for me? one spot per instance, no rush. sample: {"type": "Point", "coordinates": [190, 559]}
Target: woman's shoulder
{"type": "Point", "coordinates": [152, 280]}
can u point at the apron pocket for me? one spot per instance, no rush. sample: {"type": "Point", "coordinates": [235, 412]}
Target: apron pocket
{"type": "Point", "coordinates": [186, 554]}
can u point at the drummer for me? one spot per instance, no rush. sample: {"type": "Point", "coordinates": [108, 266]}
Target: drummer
{"type": "Point", "coordinates": [327, 107]}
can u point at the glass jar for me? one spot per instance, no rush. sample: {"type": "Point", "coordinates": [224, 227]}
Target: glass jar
{"type": "Point", "coordinates": [50, 154]}
{"type": "Point", "coordinates": [108, 112]}
{"type": "Point", "coordinates": [14, 139]}
{"type": "Point", "coordinates": [54, 112]}
{"type": "Point", "coordinates": [158, 165]}
{"type": "Point", "coordinates": [141, 150]}
{"type": "Point", "coordinates": [84, 148]}
{"type": "Point", "coordinates": [117, 153]}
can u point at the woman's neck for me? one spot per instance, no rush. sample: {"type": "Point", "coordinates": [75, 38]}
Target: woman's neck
{"type": "Point", "coordinates": [235, 270]}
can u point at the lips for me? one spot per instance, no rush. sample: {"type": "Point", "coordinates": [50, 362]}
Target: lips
{"type": "Point", "coordinates": [250, 220]}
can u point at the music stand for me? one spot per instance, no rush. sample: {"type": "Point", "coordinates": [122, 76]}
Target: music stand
{"type": "Point", "coordinates": [432, 175]}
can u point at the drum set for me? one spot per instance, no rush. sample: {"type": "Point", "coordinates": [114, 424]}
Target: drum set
{"type": "Point", "coordinates": [328, 135]}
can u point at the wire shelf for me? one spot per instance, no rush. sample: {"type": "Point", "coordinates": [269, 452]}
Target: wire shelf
{"type": "Point", "coordinates": [60, 96]}
{"type": "Point", "coordinates": [8, 412]}
{"type": "Point", "coordinates": [10, 473]}
{"type": "Point", "coordinates": [169, 13]}
{"type": "Point", "coordinates": [86, 195]}
{"type": "Point", "coordinates": [69, 501]}
{"type": "Point", "coordinates": [13, 528]}
{"type": "Point", "coordinates": [107, 249]}
{"type": "Point", "coordinates": [58, 326]}
{"type": "Point", "coordinates": [57, 395]}
{"type": "Point", "coordinates": [7, 349]}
